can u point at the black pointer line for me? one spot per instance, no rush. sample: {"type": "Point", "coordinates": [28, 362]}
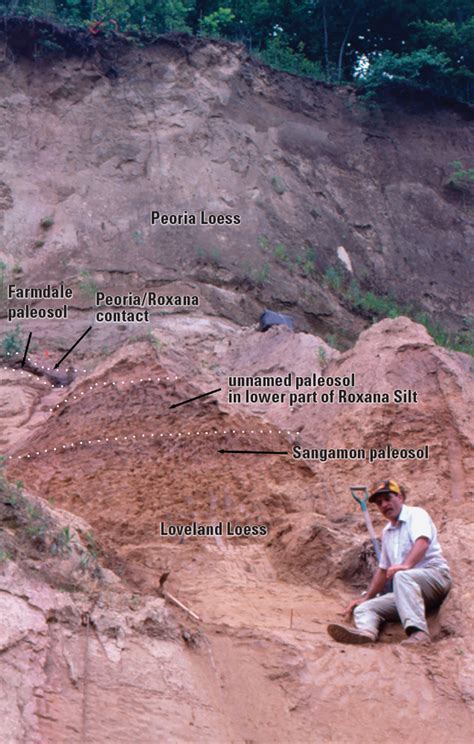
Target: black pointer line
{"type": "Point", "coordinates": [203, 395]}
{"type": "Point", "coordinates": [251, 452]}
{"type": "Point", "coordinates": [72, 347]}
{"type": "Point", "coordinates": [26, 350]}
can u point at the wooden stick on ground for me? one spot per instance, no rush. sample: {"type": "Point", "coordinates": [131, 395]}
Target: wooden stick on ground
{"type": "Point", "coordinates": [170, 597]}
{"type": "Point", "coordinates": [166, 595]}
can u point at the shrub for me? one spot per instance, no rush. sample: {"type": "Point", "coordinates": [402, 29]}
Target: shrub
{"type": "Point", "coordinates": [12, 343]}
{"type": "Point", "coordinates": [383, 306]}
{"type": "Point", "coordinates": [460, 177]}
{"type": "Point", "coordinates": [87, 283]}
{"type": "Point", "coordinates": [281, 56]}
{"type": "Point", "coordinates": [333, 278]}
{"type": "Point", "coordinates": [386, 307]}
{"type": "Point", "coordinates": [263, 242]}
{"type": "Point", "coordinates": [61, 544]}
{"type": "Point", "coordinates": [91, 544]}
{"type": "Point", "coordinates": [309, 262]}
{"type": "Point", "coordinates": [280, 253]}
{"type": "Point", "coordinates": [278, 185]}
{"type": "Point", "coordinates": [30, 520]}
{"type": "Point", "coordinates": [261, 276]}
{"type": "Point", "coordinates": [157, 342]}
{"type": "Point", "coordinates": [47, 222]}
{"type": "Point", "coordinates": [138, 238]}
{"type": "Point", "coordinates": [462, 341]}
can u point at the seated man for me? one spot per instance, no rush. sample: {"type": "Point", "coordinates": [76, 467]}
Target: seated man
{"type": "Point", "coordinates": [412, 559]}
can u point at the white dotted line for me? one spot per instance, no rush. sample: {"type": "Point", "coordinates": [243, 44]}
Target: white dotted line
{"type": "Point", "coordinates": [97, 386]}
{"type": "Point", "coordinates": [135, 437]}
{"type": "Point", "coordinates": [39, 366]}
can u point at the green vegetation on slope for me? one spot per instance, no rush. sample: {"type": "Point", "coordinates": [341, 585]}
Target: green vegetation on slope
{"type": "Point", "coordinates": [383, 306]}
{"type": "Point", "coordinates": [428, 44]}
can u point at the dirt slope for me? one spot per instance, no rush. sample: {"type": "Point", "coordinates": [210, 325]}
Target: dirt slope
{"type": "Point", "coordinates": [325, 187]}
{"type": "Point", "coordinates": [330, 193]}
{"type": "Point", "coordinates": [259, 665]}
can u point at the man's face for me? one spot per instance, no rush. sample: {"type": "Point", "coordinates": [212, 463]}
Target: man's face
{"type": "Point", "coordinates": [389, 504]}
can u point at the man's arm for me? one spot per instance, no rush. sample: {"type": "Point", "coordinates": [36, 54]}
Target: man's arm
{"type": "Point", "coordinates": [416, 554]}
{"type": "Point", "coordinates": [376, 586]}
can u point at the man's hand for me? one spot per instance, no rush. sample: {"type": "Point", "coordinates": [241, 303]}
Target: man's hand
{"type": "Point", "coordinates": [394, 569]}
{"type": "Point", "coordinates": [376, 586]}
{"type": "Point", "coordinates": [350, 607]}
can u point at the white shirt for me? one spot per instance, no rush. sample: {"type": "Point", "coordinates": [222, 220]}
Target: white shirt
{"type": "Point", "coordinates": [398, 539]}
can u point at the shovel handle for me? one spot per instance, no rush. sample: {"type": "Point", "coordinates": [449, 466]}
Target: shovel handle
{"type": "Point", "coordinates": [372, 534]}
{"type": "Point", "coordinates": [362, 500]}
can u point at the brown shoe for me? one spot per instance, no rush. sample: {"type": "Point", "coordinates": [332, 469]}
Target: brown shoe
{"type": "Point", "coordinates": [347, 634]}
{"type": "Point", "coordinates": [419, 638]}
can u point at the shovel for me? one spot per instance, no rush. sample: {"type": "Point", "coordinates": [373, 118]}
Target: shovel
{"type": "Point", "coordinates": [362, 500]}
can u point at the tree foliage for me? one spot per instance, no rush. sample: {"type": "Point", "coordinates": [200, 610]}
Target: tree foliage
{"type": "Point", "coordinates": [280, 55]}
{"type": "Point", "coordinates": [422, 69]}
{"type": "Point", "coordinates": [425, 43]}
{"type": "Point", "coordinates": [216, 23]}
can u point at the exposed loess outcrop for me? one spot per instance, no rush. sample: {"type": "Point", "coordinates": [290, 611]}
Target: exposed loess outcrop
{"type": "Point", "coordinates": [258, 665]}
{"type": "Point", "coordinates": [333, 195]}
{"type": "Point", "coordinates": [92, 142]}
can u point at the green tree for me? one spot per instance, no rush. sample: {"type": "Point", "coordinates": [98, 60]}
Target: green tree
{"type": "Point", "coordinates": [114, 10]}
{"type": "Point", "coordinates": [427, 43]}
{"type": "Point", "coordinates": [169, 15]}
{"type": "Point", "coordinates": [216, 23]}
{"type": "Point", "coordinates": [424, 68]}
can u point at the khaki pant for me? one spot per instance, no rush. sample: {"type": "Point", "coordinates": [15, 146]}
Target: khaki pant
{"type": "Point", "coordinates": [413, 591]}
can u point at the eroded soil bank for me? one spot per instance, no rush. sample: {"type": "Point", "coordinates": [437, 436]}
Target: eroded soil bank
{"type": "Point", "coordinates": [336, 199]}
{"type": "Point", "coordinates": [91, 652]}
